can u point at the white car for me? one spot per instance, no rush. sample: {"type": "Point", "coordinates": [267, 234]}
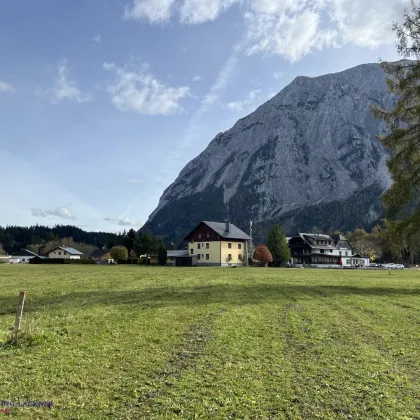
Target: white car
{"type": "Point", "coordinates": [399, 267]}
{"type": "Point", "coordinates": [390, 266]}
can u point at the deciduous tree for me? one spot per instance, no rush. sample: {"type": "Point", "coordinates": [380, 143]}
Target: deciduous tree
{"type": "Point", "coordinates": [119, 252]}
{"type": "Point", "coordinates": [263, 254]}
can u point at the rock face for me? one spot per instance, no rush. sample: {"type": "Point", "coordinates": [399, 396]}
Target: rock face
{"type": "Point", "coordinates": [307, 159]}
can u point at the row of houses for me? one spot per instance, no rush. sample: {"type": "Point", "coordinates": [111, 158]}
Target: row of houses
{"type": "Point", "coordinates": [224, 244]}
{"type": "Point", "coordinates": [24, 256]}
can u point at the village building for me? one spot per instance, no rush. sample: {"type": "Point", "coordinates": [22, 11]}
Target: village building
{"type": "Point", "coordinates": [21, 257]}
{"type": "Point", "coordinates": [65, 253]}
{"type": "Point", "coordinates": [318, 250]}
{"type": "Point", "coordinates": [216, 244]}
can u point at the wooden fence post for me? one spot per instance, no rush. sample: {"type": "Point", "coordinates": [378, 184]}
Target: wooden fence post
{"type": "Point", "coordinates": [19, 314]}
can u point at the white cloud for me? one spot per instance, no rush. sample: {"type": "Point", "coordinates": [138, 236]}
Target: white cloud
{"type": "Point", "coordinates": [122, 221]}
{"type": "Point", "coordinates": [249, 103]}
{"type": "Point", "coordinates": [289, 36]}
{"type": "Point", "coordinates": [288, 28]}
{"type": "Point", "coordinates": [154, 11]}
{"type": "Point", "coordinates": [6, 87]}
{"type": "Point", "coordinates": [64, 88]}
{"type": "Point", "coordinates": [197, 78]}
{"type": "Point", "coordinates": [97, 39]}
{"type": "Point", "coordinates": [136, 89]}
{"type": "Point", "coordinates": [366, 24]}
{"type": "Point", "coordinates": [278, 74]}
{"type": "Point", "coordinates": [200, 11]}
{"type": "Point", "coordinates": [60, 212]}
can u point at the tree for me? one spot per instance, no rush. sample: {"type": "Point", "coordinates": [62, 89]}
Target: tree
{"type": "Point", "coordinates": [278, 246]}
{"type": "Point", "coordinates": [148, 244]}
{"type": "Point", "coordinates": [401, 201]}
{"type": "Point", "coordinates": [263, 255]}
{"type": "Point", "coordinates": [162, 255]}
{"type": "Point", "coordinates": [130, 240]}
{"type": "Point", "coordinates": [119, 252]}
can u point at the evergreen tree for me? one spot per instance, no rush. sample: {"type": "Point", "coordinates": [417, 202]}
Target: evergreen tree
{"type": "Point", "coordinates": [401, 201]}
{"type": "Point", "coordinates": [162, 255]}
{"type": "Point", "coordinates": [278, 246]}
{"type": "Point", "coordinates": [130, 240]}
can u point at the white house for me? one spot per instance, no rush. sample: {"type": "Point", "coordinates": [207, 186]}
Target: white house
{"type": "Point", "coordinates": [23, 256]}
{"type": "Point", "coordinates": [64, 252]}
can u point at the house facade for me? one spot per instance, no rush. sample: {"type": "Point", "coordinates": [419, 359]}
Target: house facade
{"type": "Point", "coordinates": [64, 252]}
{"type": "Point", "coordinates": [218, 244]}
{"type": "Point", "coordinates": [317, 250]}
{"type": "Point", "coordinates": [21, 257]}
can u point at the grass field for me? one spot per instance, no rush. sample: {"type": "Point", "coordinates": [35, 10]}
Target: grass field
{"type": "Point", "coordinates": [138, 342]}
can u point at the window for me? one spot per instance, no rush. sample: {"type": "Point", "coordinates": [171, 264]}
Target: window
{"type": "Point", "coordinates": [322, 251]}
{"type": "Point", "coordinates": [229, 256]}
{"type": "Point", "coordinates": [207, 246]}
{"type": "Point", "coordinates": [199, 246]}
{"type": "Point", "coordinates": [239, 246]}
{"type": "Point", "coordinates": [202, 255]}
{"type": "Point", "coordinates": [208, 235]}
{"type": "Point", "coordinates": [229, 245]}
{"type": "Point", "coordinates": [207, 256]}
{"type": "Point", "coordinates": [198, 256]}
{"type": "Point", "coordinates": [347, 253]}
{"type": "Point", "coordinates": [59, 253]}
{"type": "Point", "coordinates": [330, 251]}
{"type": "Point", "coordinates": [240, 257]}
{"type": "Point", "coordinates": [199, 235]}
{"type": "Point", "coordinates": [340, 253]}
{"type": "Point", "coordinates": [192, 251]}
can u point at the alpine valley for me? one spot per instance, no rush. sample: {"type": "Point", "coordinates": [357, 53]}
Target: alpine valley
{"type": "Point", "coordinates": [308, 159]}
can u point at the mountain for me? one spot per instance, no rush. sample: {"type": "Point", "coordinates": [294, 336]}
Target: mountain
{"type": "Point", "coordinates": [307, 159]}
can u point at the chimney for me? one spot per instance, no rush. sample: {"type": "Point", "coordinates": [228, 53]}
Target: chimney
{"type": "Point", "coordinates": [41, 250]}
{"type": "Point", "coordinates": [227, 228]}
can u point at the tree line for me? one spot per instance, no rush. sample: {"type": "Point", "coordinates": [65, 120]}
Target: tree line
{"type": "Point", "coordinates": [15, 238]}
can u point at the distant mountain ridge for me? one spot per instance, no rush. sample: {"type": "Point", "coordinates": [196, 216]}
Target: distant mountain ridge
{"type": "Point", "coordinates": [307, 158]}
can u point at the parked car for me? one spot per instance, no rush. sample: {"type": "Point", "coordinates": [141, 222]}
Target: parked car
{"type": "Point", "coordinates": [399, 266]}
{"type": "Point", "coordinates": [373, 265]}
{"type": "Point", "coordinates": [390, 266]}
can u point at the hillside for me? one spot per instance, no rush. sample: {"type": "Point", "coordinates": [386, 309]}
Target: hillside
{"type": "Point", "coordinates": [307, 158]}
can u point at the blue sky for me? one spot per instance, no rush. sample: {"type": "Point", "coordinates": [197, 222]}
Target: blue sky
{"type": "Point", "coordinates": [103, 102]}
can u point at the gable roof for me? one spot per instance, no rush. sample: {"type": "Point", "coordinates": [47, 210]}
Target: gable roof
{"type": "Point", "coordinates": [23, 253]}
{"type": "Point", "coordinates": [98, 253]}
{"type": "Point", "coordinates": [220, 229]}
{"type": "Point", "coordinates": [70, 250]}
{"type": "Point", "coordinates": [311, 239]}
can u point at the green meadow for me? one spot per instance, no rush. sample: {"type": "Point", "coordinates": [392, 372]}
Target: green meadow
{"type": "Point", "coordinates": [132, 342]}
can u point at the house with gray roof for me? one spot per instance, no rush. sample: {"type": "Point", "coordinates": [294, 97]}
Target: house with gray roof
{"type": "Point", "coordinates": [65, 252]}
{"type": "Point", "coordinates": [317, 250]}
{"type": "Point", "coordinates": [218, 244]}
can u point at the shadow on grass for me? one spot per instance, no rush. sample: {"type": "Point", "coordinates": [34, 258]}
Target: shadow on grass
{"type": "Point", "coordinates": [234, 295]}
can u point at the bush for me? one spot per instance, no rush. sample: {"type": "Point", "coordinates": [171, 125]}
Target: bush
{"type": "Point", "coordinates": [81, 261]}
{"type": "Point", "coordinates": [128, 261]}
